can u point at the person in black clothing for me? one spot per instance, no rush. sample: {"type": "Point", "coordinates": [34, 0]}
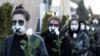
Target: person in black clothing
{"type": "Point", "coordinates": [12, 45]}
{"type": "Point", "coordinates": [51, 34]}
{"type": "Point", "coordinates": [78, 38]}
{"type": "Point", "coordinates": [83, 25]}
{"type": "Point", "coordinates": [95, 23]}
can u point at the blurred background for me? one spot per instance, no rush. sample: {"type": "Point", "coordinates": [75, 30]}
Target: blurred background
{"type": "Point", "coordinates": [41, 10]}
{"type": "Point", "coordinates": [38, 8]}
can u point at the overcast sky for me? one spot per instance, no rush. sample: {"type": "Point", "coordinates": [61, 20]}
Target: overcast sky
{"type": "Point", "coordinates": [95, 5]}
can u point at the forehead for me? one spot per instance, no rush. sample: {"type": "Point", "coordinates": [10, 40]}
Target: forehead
{"type": "Point", "coordinates": [82, 23]}
{"type": "Point", "coordinates": [54, 21]}
{"type": "Point", "coordinates": [73, 22]}
{"type": "Point", "coordinates": [95, 19]}
{"type": "Point", "coordinates": [18, 17]}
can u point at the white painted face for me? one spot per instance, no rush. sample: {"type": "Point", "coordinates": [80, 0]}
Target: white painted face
{"type": "Point", "coordinates": [74, 25]}
{"type": "Point", "coordinates": [19, 24]}
{"type": "Point", "coordinates": [82, 26]}
{"type": "Point", "coordinates": [95, 21]}
{"type": "Point", "coordinates": [53, 26]}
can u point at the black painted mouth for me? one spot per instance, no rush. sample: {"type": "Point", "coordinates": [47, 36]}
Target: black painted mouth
{"type": "Point", "coordinates": [18, 30]}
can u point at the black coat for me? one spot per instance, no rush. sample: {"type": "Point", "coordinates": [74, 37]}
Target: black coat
{"type": "Point", "coordinates": [39, 51]}
{"type": "Point", "coordinates": [97, 40]}
{"type": "Point", "coordinates": [80, 44]}
{"type": "Point", "coordinates": [65, 48]}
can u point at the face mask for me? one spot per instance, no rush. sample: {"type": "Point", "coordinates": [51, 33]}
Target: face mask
{"type": "Point", "coordinates": [74, 27]}
{"type": "Point", "coordinates": [18, 27]}
{"type": "Point", "coordinates": [95, 21]}
{"type": "Point", "coordinates": [53, 29]}
{"type": "Point", "coordinates": [82, 27]}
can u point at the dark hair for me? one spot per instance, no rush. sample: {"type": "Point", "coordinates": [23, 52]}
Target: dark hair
{"type": "Point", "coordinates": [72, 19]}
{"type": "Point", "coordinates": [20, 10]}
{"type": "Point", "coordinates": [77, 19]}
{"type": "Point", "coordinates": [55, 18]}
{"type": "Point", "coordinates": [82, 21]}
{"type": "Point", "coordinates": [95, 16]}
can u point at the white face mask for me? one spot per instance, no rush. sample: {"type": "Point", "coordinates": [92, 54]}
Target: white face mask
{"type": "Point", "coordinates": [19, 29]}
{"type": "Point", "coordinates": [82, 27]}
{"type": "Point", "coordinates": [95, 21]}
{"type": "Point", "coordinates": [74, 25]}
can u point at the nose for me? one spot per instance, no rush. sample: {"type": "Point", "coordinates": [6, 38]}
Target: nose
{"type": "Point", "coordinates": [17, 27]}
{"type": "Point", "coordinates": [53, 27]}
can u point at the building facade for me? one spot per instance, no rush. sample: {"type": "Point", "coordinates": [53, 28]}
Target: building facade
{"type": "Point", "coordinates": [37, 7]}
{"type": "Point", "coordinates": [32, 6]}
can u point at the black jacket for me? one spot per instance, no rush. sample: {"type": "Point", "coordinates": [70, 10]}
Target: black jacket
{"type": "Point", "coordinates": [38, 51]}
{"type": "Point", "coordinates": [80, 44]}
{"type": "Point", "coordinates": [49, 38]}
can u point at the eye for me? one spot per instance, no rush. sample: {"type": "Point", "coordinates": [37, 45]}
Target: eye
{"type": "Point", "coordinates": [56, 25]}
{"type": "Point", "coordinates": [13, 22]}
{"type": "Point", "coordinates": [76, 23]}
{"type": "Point", "coordinates": [50, 24]}
{"type": "Point", "coordinates": [21, 22]}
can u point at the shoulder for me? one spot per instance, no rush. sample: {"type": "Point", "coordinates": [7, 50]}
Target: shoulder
{"type": "Point", "coordinates": [35, 36]}
{"type": "Point", "coordinates": [9, 37]}
{"type": "Point", "coordinates": [83, 34]}
{"type": "Point", "coordinates": [37, 40]}
{"type": "Point", "coordinates": [7, 41]}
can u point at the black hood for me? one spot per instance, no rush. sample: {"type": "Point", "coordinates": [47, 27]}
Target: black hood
{"type": "Point", "coordinates": [72, 32]}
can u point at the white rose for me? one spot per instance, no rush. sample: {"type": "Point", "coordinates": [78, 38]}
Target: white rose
{"type": "Point", "coordinates": [56, 31]}
{"type": "Point", "coordinates": [74, 35]}
{"type": "Point", "coordinates": [93, 29]}
{"type": "Point", "coordinates": [29, 32]}
{"type": "Point", "coordinates": [87, 27]}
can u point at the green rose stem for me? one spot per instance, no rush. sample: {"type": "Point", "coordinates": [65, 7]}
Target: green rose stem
{"type": "Point", "coordinates": [29, 47]}
{"type": "Point", "coordinates": [59, 45]}
{"type": "Point", "coordinates": [59, 41]}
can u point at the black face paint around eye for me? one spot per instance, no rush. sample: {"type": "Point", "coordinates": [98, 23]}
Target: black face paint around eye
{"type": "Point", "coordinates": [56, 25]}
{"type": "Point", "coordinates": [14, 22]}
{"type": "Point", "coordinates": [20, 22]}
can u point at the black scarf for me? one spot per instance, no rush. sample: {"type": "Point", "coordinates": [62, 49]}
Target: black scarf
{"type": "Point", "coordinates": [15, 49]}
